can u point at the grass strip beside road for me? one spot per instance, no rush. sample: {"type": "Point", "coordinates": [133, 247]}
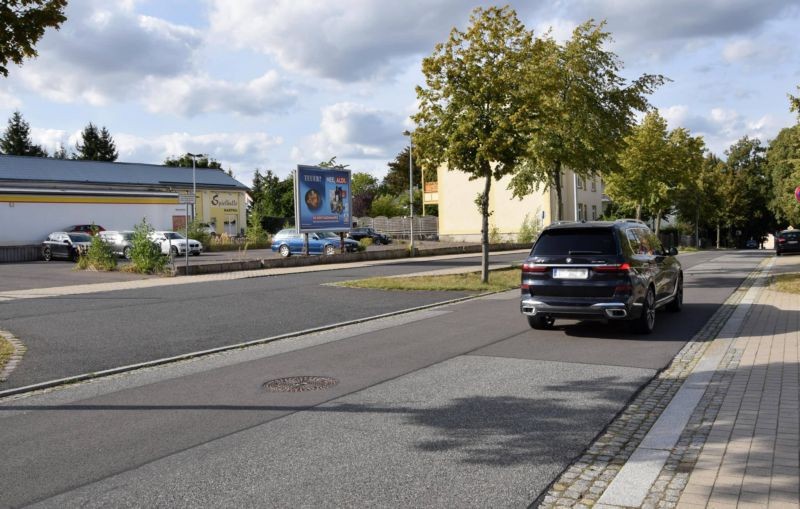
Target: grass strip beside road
{"type": "Point", "coordinates": [788, 283]}
{"type": "Point", "coordinates": [499, 280]}
{"type": "Point", "coordinates": [6, 351]}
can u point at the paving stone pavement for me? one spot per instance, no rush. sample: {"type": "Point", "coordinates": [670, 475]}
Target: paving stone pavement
{"type": "Point", "coordinates": [740, 445]}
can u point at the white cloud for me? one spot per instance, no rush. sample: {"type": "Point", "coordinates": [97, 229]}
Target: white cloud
{"type": "Point", "coordinates": [740, 49]}
{"type": "Point", "coordinates": [349, 42]}
{"type": "Point", "coordinates": [354, 131]}
{"type": "Point", "coordinates": [189, 95]}
{"type": "Point", "coordinates": [9, 101]}
{"type": "Point", "coordinates": [104, 51]}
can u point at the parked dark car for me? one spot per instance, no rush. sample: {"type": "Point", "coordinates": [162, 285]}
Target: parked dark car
{"type": "Point", "coordinates": [361, 233]}
{"type": "Point", "coordinates": [65, 245]}
{"type": "Point", "coordinates": [787, 241]}
{"type": "Point", "coordinates": [89, 229]}
{"type": "Point", "coordinates": [120, 242]}
{"type": "Point", "coordinates": [600, 270]}
{"type": "Point", "coordinates": [288, 242]}
{"type": "Point", "coordinates": [751, 244]}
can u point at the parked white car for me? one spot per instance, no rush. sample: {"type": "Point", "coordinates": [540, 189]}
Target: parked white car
{"type": "Point", "coordinates": [175, 243]}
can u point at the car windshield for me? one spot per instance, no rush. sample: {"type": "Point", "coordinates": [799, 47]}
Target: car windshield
{"type": "Point", "coordinates": [79, 237]}
{"type": "Point", "coordinates": [174, 236]}
{"type": "Point", "coordinates": [599, 241]}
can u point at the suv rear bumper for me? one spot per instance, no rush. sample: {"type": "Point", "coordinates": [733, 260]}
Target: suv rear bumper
{"type": "Point", "coordinates": [598, 311]}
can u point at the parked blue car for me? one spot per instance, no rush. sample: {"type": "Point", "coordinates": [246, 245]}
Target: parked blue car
{"type": "Point", "coordinates": [288, 242]}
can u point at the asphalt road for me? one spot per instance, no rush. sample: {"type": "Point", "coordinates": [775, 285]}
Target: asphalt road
{"type": "Point", "coordinates": [459, 406]}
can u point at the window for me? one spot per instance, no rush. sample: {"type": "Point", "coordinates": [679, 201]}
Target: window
{"type": "Point", "coordinates": [579, 182]}
{"type": "Point", "coordinates": [594, 210]}
{"type": "Point", "coordinates": [594, 185]}
{"type": "Point", "coordinates": [580, 213]}
{"type": "Point", "coordinates": [578, 240]}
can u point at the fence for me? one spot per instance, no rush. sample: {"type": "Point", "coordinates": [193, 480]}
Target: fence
{"type": "Point", "coordinates": [425, 227]}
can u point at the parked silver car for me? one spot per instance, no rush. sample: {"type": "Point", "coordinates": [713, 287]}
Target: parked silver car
{"type": "Point", "coordinates": [120, 242]}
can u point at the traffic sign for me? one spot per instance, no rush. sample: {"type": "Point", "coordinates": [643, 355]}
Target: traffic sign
{"type": "Point", "coordinates": [186, 198]}
{"type": "Point", "coordinates": [797, 193]}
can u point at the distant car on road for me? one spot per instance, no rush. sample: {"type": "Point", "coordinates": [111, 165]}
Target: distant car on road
{"type": "Point", "coordinates": [751, 244]}
{"type": "Point", "coordinates": [787, 241]}
{"type": "Point", "coordinates": [65, 245]}
{"type": "Point", "coordinates": [361, 233]}
{"type": "Point", "coordinates": [600, 271]}
{"type": "Point", "coordinates": [89, 229]}
{"type": "Point", "coordinates": [174, 243]}
{"type": "Point", "coordinates": [120, 242]}
{"type": "Point", "coordinates": [288, 242]}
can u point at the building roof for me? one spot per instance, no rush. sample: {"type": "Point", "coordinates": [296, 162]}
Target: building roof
{"type": "Point", "coordinates": [22, 169]}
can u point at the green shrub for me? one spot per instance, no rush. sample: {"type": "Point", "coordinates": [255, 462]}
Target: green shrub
{"type": "Point", "coordinates": [98, 257]}
{"type": "Point", "coordinates": [197, 233]}
{"type": "Point", "coordinates": [529, 230]}
{"type": "Point", "coordinates": [494, 235]}
{"type": "Point", "coordinates": [256, 234]}
{"type": "Point", "coordinates": [365, 243]}
{"type": "Point", "coordinates": [146, 257]}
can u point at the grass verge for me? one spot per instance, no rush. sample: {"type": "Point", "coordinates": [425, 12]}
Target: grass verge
{"type": "Point", "coordinates": [499, 280]}
{"type": "Point", "coordinates": [6, 351]}
{"type": "Point", "coordinates": [788, 283]}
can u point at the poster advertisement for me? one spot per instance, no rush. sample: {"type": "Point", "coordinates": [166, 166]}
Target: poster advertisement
{"type": "Point", "coordinates": [322, 199]}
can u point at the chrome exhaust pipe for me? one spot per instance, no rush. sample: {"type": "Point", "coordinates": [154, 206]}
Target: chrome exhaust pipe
{"type": "Point", "coordinates": [616, 313]}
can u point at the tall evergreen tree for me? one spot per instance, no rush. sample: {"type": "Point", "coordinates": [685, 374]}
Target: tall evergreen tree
{"type": "Point", "coordinates": [16, 139]}
{"type": "Point", "coordinates": [98, 145]}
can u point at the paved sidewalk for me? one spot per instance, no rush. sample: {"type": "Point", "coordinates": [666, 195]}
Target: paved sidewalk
{"type": "Point", "coordinates": [718, 428]}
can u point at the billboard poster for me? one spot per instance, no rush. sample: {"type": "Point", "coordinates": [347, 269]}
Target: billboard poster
{"type": "Point", "coordinates": [322, 199]}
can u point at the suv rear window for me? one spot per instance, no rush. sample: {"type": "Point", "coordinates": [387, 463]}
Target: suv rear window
{"type": "Point", "coordinates": [576, 241]}
{"type": "Point", "coordinates": [791, 235]}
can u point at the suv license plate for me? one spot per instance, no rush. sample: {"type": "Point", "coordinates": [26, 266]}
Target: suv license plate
{"type": "Point", "coordinates": [570, 273]}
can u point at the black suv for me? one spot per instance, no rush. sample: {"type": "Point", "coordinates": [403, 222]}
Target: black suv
{"type": "Point", "coordinates": [787, 241]}
{"type": "Point", "coordinates": [600, 271]}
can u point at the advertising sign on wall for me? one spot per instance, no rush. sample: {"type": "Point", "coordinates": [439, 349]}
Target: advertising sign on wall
{"type": "Point", "coordinates": [322, 199]}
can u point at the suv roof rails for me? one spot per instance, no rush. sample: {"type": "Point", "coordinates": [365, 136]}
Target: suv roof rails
{"type": "Point", "coordinates": [625, 220]}
{"type": "Point", "coordinates": [563, 222]}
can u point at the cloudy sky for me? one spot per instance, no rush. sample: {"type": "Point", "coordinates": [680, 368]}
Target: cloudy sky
{"type": "Point", "coordinates": [270, 84]}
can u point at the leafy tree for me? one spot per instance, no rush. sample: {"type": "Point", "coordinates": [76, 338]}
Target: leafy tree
{"type": "Point", "coordinates": [23, 23]}
{"type": "Point", "coordinates": [331, 163]}
{"type": "Point", "coordinates": [783, 167]}
{"type": "Point", "coordinates": [471, 108]}
{"type": "Point", "coordinates": [700, 202]}
{"type": "Point", "coordinates": [655, 167]}
{"type": "Point", "coordinates": [396, 180]}
{"type": "Point", "coordinates": [748, 189]}
{"type": "Point", "coordinates": [386, 205]}
{"type": "Point", "coordinates": [585, 108]}
{"type": "Point", "coordinates": [16, 139]}
{"type": "Point", "coordinates": [185, 161]}
{"type": "Point", "coordinates": [272, 198]}
{"type": "Point", "coordinates": [364, 188]}
{"type": "Point", "coordinates": [98, 145]}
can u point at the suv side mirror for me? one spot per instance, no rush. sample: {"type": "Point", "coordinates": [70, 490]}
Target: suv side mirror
{"type": "Point", "coordinates": [672, 251]}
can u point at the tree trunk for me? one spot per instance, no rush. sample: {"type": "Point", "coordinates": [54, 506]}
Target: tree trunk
{"type": "Point", "coordinates": [697, 227]}
{"type": "Point", "coordinates": [484, 208]}
{"type": "Point", "coordinates": [559, 197]}
{"type": "Point", "coordinates": [638, 211]}
{"type": "Point", "coordinates": [658, 222]}
{"type": "Point", "coordinates": [717, 235]}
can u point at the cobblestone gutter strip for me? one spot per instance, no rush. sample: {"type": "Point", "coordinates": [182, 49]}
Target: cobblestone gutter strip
{"type": "Point", "coordinates": [583, 482]}
{"type": "Point", "coordinates": [16, 357]}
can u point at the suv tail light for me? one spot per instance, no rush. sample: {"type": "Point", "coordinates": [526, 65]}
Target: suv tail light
{"type": "Point", "coordinates": [622, 268]}
{"type": "Point", "coordinates": [531, 268]}
{"type": "Point", "coordinates": [781, 240]}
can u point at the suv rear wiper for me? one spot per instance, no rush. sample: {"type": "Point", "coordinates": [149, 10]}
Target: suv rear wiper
{"type": "Point", "coordinates": [585, 252]}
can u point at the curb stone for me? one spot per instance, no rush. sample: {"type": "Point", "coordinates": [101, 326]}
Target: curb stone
{"type": "Point", "coordinates": [16, 357]}
{"type": "Point", "coordinates": [585, 480]}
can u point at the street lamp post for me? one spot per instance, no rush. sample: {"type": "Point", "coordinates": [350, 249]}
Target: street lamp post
{"type": "Point", "coordinates": [194, 204]}
{"type": "Point", "coordinates": [410, 191]}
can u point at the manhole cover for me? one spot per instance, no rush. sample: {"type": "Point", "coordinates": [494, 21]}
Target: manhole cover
{"type": "Point", "coordinates": [300, 384]}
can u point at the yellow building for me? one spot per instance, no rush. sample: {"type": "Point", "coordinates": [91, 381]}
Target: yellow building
{"type": "Point", "coordinates": [460, 220]}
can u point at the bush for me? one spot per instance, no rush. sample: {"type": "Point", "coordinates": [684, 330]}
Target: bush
{"type": "Point", "coordinates": [529, 230]}
{"type": "Point", "coordinates": [197, 233]}
{"type": "Point", "coordinates": [256, 233]}
{"type": "Point", "coordinates": [146, 257]}
{"type": "Point", "coordinates": [98, 257]}
{"type": "Point", "coordinates": [364, 243]}
{"type": "Point", "coordinates": [494, 235]}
